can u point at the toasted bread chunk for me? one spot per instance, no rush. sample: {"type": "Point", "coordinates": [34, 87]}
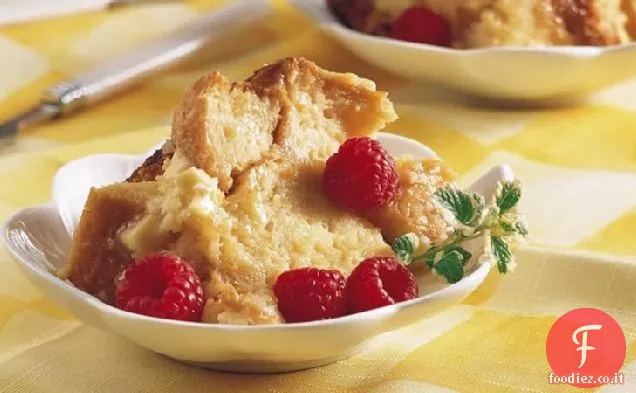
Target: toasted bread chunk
{"type": "Point", "coordinates": [292, 109]}
{"type": "Point", "coordinates": [223, 127]}
{"type": "Point", "coordinates": [97, 255]}
{"type": "Point", "coordinates": [413, 210]}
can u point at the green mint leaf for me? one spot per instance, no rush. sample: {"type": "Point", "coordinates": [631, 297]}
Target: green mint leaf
{"type": "Point", "coordinates": [450, 266]}
{"type": "Point", "coordinates": [509, 196]}
{"type": "Point", "coordinates": [501, 252]}
{"type": "Point", "coordinates": [403, 247]}
{"type": "Point", "coordinates": [521, 228]}
{"type": "Point", "coordinates": [457, 202]}
{"type": "Point", "coordinates": [464, 255]}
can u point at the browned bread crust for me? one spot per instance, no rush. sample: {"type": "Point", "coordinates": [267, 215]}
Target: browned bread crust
{"type": "Point", "coordinates": [152, 167]}
{"type": "Point", "coordinates": [96, 255]}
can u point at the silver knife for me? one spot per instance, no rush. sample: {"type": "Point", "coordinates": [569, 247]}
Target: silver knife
{"type": "Point", "coordinates": [120, 72]}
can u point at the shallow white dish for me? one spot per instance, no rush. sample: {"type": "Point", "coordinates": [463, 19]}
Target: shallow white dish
{"type": "Point", "coordinates": [536, 75]}
{"type": "Point", "coordinates": [38, 240]}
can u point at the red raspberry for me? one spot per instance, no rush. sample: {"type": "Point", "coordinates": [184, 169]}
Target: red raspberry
{"type": "Point", "coordinates": [310, 294]}
{"type": "Point", "coordinates": [361, 175]}
{"type": "Point", "coordinates": [418, 24]}
{"type": "Point", "coordinates": [162, 286]}
{"type": "Point", "coordinates": [378, 282]}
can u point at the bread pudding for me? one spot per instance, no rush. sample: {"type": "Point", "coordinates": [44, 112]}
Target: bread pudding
{"type": "Point", "coordinates": [484, 23]}
{"type": "Point", "coordinates": [234, 219]}
{"type": "Point", "coordinates": [236, 191]}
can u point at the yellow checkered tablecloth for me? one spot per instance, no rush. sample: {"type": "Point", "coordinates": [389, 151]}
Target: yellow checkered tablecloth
{"type": "Point", "coordinates": [578, 165]}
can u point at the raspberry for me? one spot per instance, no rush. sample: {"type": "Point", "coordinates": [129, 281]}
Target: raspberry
{"type": "Point", "coordinates": [310, 294]}
{"type": "Point", "coordinates": [162, 286]}
{"type": "Point", "coordinates": [418, 24]}
{"type": "Point", "coordinates": [378, 282]}
{"type": "Point", "coordinates": [361, 175]}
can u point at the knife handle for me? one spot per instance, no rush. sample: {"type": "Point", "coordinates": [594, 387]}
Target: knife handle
{"type": "Point", "coordinates": [121, 71]}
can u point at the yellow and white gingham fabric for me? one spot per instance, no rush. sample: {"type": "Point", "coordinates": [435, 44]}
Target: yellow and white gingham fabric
{"type": "Point", "coordinates": [578, 165]}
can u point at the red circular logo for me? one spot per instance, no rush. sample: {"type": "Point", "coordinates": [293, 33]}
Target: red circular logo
{"type": "Point", "coordinates": [586, 348]}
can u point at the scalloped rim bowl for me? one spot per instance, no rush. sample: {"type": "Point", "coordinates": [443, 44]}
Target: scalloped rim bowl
{"type": "Point", "coordinates": [39, 239]}
{"type": "Point", "coordinates": [517, 74]}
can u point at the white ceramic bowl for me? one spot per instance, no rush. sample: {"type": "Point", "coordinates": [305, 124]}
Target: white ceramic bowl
{"type": "Point", "coordinates": [38, 239]}
{"type": "Point", "coordinates": [535, 75]}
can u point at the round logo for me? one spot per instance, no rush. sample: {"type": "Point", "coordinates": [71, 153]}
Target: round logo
{"type": "Point", "coordinates": [585, 348]}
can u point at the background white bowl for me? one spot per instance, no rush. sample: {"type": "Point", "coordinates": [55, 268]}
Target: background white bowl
{"type": "Point", "coordinates": [535, 75]}
{"type": "Point", "coordinates": [39, 240]}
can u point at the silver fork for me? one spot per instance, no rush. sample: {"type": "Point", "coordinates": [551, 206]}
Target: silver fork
{"type": "Point", "coordinates": [115, 74]}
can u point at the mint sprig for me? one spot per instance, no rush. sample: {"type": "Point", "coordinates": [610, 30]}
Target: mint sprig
{"type": "Point", "coordinates": [499, 224]}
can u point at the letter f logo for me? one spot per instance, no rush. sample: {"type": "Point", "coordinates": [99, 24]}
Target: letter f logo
{"type": "Point", "coordinates": [583, 343]}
